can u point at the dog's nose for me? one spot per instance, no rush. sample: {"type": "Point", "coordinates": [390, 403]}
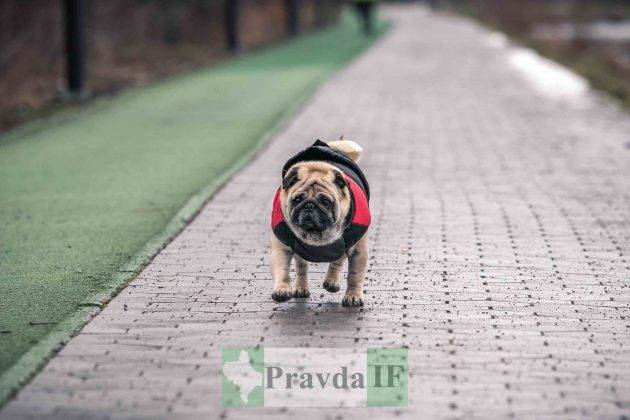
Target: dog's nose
{"type": "Point", "coordinates": [309, 206]}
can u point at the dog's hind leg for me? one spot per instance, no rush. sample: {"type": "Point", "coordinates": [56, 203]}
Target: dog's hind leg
{"type": "Point", "coordinates": [301, 284]}
{"type": "Point", "coordinates": [333, 275]}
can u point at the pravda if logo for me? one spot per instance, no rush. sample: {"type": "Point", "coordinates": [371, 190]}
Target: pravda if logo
{"type": "Point", "coordinates": [314, 377]}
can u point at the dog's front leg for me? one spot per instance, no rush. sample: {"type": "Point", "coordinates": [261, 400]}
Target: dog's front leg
{"type": "Point", "coordinates": [301, 282]}
{"type": "Point", "coordinates": [280, 270]}
{"type": "Point", "coordinates": [357, 266]}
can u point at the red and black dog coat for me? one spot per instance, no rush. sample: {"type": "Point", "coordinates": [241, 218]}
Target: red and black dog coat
{"type": "Point", "coordinates": [358, 218]}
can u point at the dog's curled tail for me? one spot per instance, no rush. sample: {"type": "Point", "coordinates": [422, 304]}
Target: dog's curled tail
{"type": "Point", "coordinates": [348, 148]}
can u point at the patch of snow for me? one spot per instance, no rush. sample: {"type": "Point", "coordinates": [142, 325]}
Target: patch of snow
{"type": "Point", "coordinates": [548, 77]}
{"type": "Point", "coordinates": [497, 40]}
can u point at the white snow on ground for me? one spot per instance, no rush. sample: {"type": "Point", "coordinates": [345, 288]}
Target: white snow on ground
{"type": "Point", "coordinates": [497, 40]}
{"type": "Point", "coordinates": [548, 77]}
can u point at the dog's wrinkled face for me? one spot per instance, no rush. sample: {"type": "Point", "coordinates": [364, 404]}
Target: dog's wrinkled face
{"type": "Point", "coordinates": [315, 202]}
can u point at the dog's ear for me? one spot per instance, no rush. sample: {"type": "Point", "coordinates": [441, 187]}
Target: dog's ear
{"type": "Point", "coordinates": [290, 179]}
{"type": "Point", "coordinates": [340, 181]}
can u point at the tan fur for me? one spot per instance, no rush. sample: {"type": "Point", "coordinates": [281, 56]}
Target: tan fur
{"type": "Point", "coordinates": [318, 178]}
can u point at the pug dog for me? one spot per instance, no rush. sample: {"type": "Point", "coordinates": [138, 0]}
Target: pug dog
{"type": "Point", "coordinates": [321, 214]}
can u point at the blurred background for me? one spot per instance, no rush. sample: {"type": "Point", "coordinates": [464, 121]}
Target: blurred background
{"type": "Point", "coordinates": [122, 43]}
{"type": "Point", "coordinates": [591, 36]}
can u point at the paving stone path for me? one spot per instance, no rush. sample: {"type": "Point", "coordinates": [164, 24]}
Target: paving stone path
{"type": "Point", "coordinates": [500, 253]}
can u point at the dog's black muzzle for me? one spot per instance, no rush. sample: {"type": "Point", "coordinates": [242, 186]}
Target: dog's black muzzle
{"type": "Point", "coordinates": [311, 217]}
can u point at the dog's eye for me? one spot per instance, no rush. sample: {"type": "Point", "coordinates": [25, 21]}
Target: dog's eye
{"type": "Point", "coordinates": [297, 200]}
{"type": "Point", "coordinates": [290, 179]}
{"type": "Point", "coordinates": [339, 181]}
{"type": "Point", "coordinates": [325, 202]}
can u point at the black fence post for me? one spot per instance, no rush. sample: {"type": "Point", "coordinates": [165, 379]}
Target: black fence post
{"type": "Point", "coordinates": [75, 60]}
{"type": "Point", "coordinates": [293, 17]}
{"type": "Point", "coordinates": [319, 13]}
{"type": "Point", "coordinates": [231, 25]}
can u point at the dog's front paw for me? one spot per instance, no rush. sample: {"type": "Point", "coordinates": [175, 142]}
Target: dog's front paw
{"type": "Point", "coordinates": [282, 293]}
{"type": "Point", "coordinates": [331, 285]}
{"type": "Point", "coordinates": [352, 299]}
{"type": "Point", "coordinates": [301, 292]}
